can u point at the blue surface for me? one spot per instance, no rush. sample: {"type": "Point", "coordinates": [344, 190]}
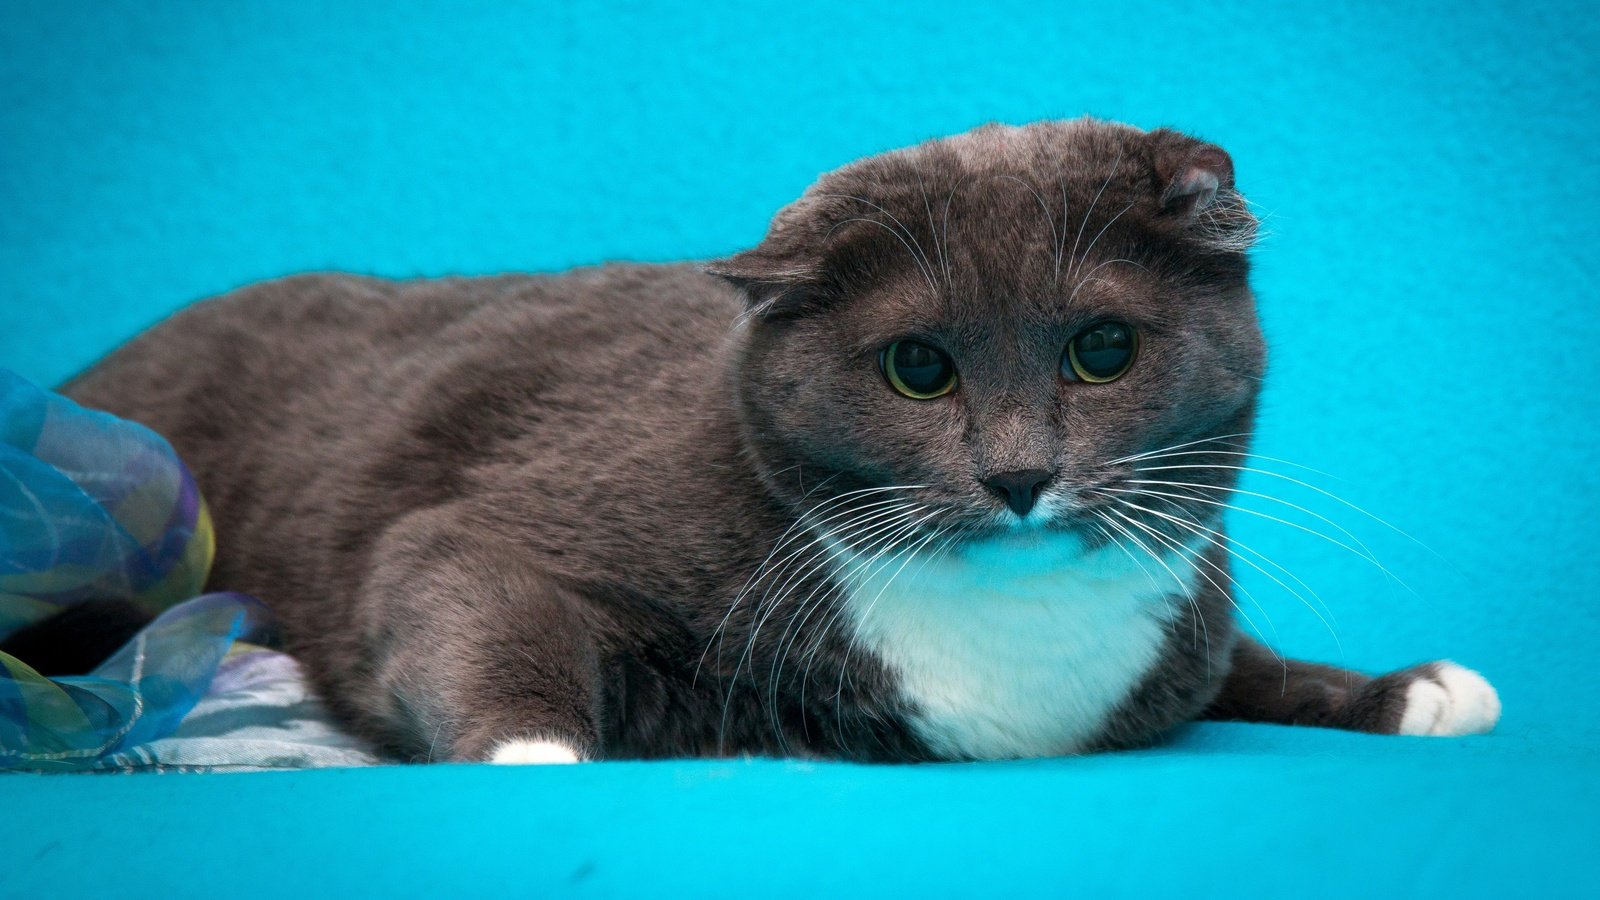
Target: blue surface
{"type": "Point", "coordinates": [1428, 288]}
{"type": "Point", "coordinates": [1241, 812]}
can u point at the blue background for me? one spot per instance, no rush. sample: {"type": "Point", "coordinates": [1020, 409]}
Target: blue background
{"type": "Point", "coordinates": [1428, 173]}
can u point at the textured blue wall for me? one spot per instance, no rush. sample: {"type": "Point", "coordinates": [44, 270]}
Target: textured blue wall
{"type": "Point", "coordinates": [1428, 173]}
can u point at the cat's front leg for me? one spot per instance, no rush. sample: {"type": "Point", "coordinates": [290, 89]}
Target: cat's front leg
{"type": "Point", "coordinates": [1437, 698]}
{"type": "Point", "coordinates": [475, 655]}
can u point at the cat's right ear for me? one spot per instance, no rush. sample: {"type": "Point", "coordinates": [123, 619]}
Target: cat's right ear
{"type": "Point", "coordinates": [786, 275]}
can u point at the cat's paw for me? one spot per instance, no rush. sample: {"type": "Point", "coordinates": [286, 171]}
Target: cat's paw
{"type": "Point", "coordinates": [520, 752]}
{"type": "Point", "coordinates": [1447, 700]}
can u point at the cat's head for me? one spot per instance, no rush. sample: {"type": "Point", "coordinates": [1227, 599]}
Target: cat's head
{"type": "Point", "coordinates": [977, 333]}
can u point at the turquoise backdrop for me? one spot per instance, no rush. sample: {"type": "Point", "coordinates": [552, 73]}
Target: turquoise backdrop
{"type": "Point", "coordinates": [1428, 175]}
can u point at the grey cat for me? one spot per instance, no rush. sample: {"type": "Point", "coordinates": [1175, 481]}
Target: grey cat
{"type": "Point", "coordinates": [860, 492]}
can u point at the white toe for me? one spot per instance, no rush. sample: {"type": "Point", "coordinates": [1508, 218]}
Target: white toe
{"type": "Point", "coordinates": [1456, 701]}
{"type": "Point", "coordinates": [532, 753]}
{"type": "Point", "coordinates": [1475, 707]}
{"type": "Point", "coordinates": [1425, 705]}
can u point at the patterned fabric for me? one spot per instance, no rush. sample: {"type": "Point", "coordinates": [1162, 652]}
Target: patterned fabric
{"type": "Point", "coordinates": [140, 694]}
{"type": "Point", "coordinates": [93, 506]}
{"type": "Point", "coordinates": [258, 714]}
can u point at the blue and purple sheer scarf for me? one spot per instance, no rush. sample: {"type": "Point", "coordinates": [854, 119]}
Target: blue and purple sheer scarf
{"type": "Point", "coordinates": [95, 507]}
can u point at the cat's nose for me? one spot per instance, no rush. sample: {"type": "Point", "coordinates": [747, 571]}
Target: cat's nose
{"type": "Point", "coordinates": [1019, 489]}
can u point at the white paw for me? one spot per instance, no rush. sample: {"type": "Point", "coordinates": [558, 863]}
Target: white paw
{"type": "Point", "coordinates": [1455, 701]}
{"type": "Point", "coordinates": [532, 753]}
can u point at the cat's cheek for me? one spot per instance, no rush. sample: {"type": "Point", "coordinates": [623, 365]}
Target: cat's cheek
{"type": "Point", "coordinates": [532, 753]}
{"type": "Point", "coordinates": [1453, 701]}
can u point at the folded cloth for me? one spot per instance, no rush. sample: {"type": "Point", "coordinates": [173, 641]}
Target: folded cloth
{"type": "Point", "coordinates": [141, 693]}
{"type": "Point", "coordinates": [258, 714]}
{"type": "Point", "coordinates": [97, 507]}
{"type": "Point", "coordinates": [92, 506]}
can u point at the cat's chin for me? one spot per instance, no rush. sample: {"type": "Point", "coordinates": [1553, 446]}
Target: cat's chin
{"type": "Point", "coordinates": [1044, 523]}
{"type": "Point", "coordinates": [1050, 537]}
{"type": "Point", "coordinates": [1039, 519]}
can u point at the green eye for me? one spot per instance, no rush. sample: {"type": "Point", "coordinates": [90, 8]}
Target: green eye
{"type": "Point", "coordinates": [1100, 353]}
{"type": "Point", "coordinates": [917, 370]}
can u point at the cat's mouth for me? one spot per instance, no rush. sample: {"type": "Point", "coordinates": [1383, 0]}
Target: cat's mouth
{"type": "Point", "coordinates": [890, 520]}
{"type": "Point", "coordinates": [1095, 511]}
{"type": "Point", "coordinates": [1057, 514]}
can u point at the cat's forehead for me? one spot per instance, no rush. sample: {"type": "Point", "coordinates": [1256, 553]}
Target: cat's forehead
{"type": "Point", "coordinates": [1002, 224]}
{"type": "Point", "coordinates": [957, 174]}
{"type": "Point", "coordinates": [1011, 212]}
{"type": "Point", "coordinates": [1004, 218]}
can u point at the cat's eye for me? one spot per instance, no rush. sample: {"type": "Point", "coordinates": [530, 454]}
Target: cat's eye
{"type": "Point", "coordinates": [917, 370]}
{"type": "Point", "coordinates": [1100, 353]}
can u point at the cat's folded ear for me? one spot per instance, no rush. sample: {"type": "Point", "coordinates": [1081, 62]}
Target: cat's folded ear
{"type": "Point", "coordinates": [787, 273]}
{"type": "Point", "coordinates": [1198, 193]}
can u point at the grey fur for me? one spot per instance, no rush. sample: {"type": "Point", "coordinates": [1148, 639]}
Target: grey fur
{"type": "Point", "coordinates": [524, 506]}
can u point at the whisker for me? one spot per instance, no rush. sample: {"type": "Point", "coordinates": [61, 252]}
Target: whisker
{"type": "Point", "coordinates": [1194, 632]}
{"type": "Point", "coordinates": [1061, 245]}
{"type": "Point", "coordinates": [1049, 217]}
{"type": "Point", "coordinates": [944, 221]}
{"type": "Point", "coordinates": [1227, 544]}
{"type": "Point", "coordinates": [751, 638]}
{"type": "Point", "coordinates": [852, 638]}
{"type": "Point", "coordinates": [817, 546]}
{"type": "Point", "coordinates": [1148, 453]}
{"type": "Point", "coordinates": [855, 637]}
{"type": "Point", "coordinates": [1364, 553]}
{"type": "Point", "coordinates": [1246, 454]}
{"type": "Point", "coordinates": [1329, 494]}
{"type": "Point", "coordinates": [856, 531]}
{"type": "Point", "coordinates": [783, 541]}
{"type": "Point", "coordinates": [933, 230]}
{"type": "Point", "coordinates": [819, 561]}
{"type": "Point", "coordinates": [918, 253]}
{"type": "Point", "coordinates": [1089, 249]}
{"type": "Point", "coordinates": [857, 528]}
{"type": "Point", "coordinates": [927, 274]}
{"type": "Point", "coordinates": [890, 548]}
{"type": "Point", "coordinates": [1090, 277]}
{"type": "Point", "coordinates": [1090, 211]}
{"type": "Point", "coordinates": [808, 656]}
{"type": "Point", "coordinates": [1185, 553]}
{"type": "Point", "coordinates": [1190, 522]}
{"type": "Point", "coordinates": [1185, 587]}
{"type": "Point", "coordinates": [1125, 551]}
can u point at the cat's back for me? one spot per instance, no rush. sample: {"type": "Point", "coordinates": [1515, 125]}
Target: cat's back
{"type": "Point", "coordinates": [326, 399]}
{"type": "Point", "coordinates": [224, 362]}
{"type": "Point", "coordinates": [313, 350]}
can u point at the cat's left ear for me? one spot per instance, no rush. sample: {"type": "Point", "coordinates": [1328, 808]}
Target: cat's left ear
{"type": "Point", "coordinates": [1198, 191]}
{"type": "Point", "coordinates": [1194, 172]}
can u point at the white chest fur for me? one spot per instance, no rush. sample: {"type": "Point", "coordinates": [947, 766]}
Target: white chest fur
{"type": "Point", "coordinates": [1018, 646]}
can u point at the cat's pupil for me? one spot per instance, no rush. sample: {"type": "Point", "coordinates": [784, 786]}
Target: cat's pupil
{"type": "Point", "coordinates": [918, 365]}
{"type": "Point", "coordinates": [1102, 352]}
{"type": "Point", "coordinates": [918, 370]}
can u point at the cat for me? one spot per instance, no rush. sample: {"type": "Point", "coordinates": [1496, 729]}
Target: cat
{"type": "Point", "coordinates": [860, 492]}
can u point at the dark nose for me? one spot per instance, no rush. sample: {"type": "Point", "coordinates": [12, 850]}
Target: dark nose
{"type": "Point", "coordinates": [1020, 489]}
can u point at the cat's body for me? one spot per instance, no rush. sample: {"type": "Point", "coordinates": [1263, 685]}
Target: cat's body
{"type": "Point", "coordinates": [641, 511]}
{"type": "Point", "coordinates": [638, 502]}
